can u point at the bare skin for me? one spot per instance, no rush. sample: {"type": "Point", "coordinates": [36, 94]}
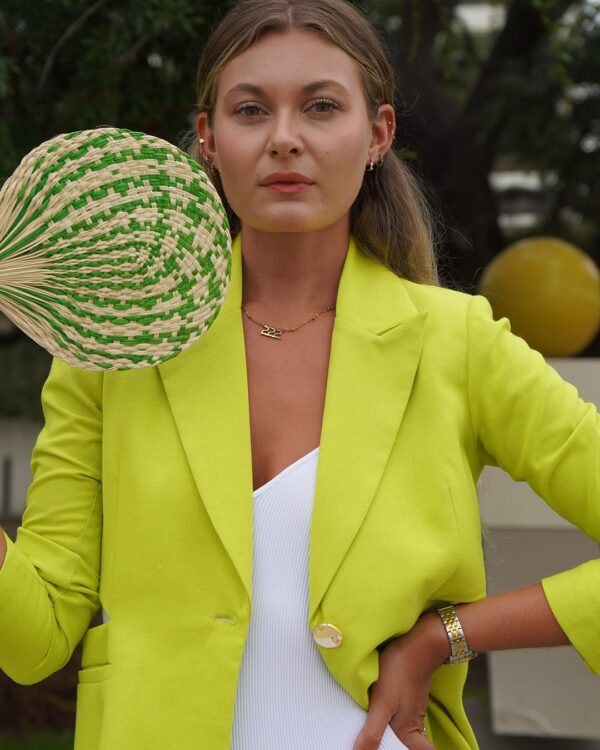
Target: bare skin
{"type": "Point", "coordinates": [286, 387]}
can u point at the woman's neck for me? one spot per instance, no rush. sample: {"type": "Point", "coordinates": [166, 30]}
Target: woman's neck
{"type": "Point", "coordinates": [287, 274]}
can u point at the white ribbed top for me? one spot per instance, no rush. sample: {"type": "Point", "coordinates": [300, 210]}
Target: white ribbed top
{"type": "Point", "coordinates": [286, 697]}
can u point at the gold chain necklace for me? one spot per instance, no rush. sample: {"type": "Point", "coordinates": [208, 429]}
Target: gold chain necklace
{"type": "Point", "coordinates": [275, 333]}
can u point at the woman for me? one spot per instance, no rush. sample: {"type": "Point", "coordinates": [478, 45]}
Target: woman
{"type": "Point", "coordinates": [277, 522]}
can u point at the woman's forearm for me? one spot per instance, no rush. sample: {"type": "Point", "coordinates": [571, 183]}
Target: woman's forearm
{"type": "Point", "coordinates": [516, 619]}
{"type": "Point", "coordinates": [2, 547]}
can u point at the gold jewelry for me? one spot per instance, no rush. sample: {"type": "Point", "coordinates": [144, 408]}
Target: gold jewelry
{"type": "Point", "coordinates": [459, 648]}
{"type": "Point", "coordinates": [204, 157]}
{"type": "Point", "coordinates": [424, 732]}
{"type": "Point", "coordinates": [275, 333]}
{"type": "Point", "coordinates": [378, 164]}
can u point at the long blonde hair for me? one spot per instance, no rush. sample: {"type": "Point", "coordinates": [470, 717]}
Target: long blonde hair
{"type": "Point", "coordinates": [391, 218]}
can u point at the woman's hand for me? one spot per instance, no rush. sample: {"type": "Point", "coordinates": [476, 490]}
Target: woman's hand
{"type": "Point", "coordinates": [399, 696]}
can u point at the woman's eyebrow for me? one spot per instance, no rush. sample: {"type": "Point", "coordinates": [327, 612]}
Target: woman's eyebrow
{"type": "Point", "coordinates": [308, 89]}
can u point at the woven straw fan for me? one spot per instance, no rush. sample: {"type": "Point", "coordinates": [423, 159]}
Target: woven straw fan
{"type": "Point", "coordinates": [115, 251]}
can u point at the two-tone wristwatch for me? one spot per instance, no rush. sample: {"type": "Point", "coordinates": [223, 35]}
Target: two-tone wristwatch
{"type": "Point", "coordinates": [459, 648]}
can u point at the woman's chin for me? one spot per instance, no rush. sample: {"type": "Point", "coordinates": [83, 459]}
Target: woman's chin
{"type": "Point", "coordinates": [287, 223]}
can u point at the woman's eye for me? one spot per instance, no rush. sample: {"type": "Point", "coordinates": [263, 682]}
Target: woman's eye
{"type": "Point", "coordinates": [326, 103]}
{"type": "Point", "coordinates": [317, 102]}
{"type": "Point", "coordinates": [245, 107]}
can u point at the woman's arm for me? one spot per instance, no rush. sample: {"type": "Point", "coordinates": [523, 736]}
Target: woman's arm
{"type": "Point", "coordinates": [50, 575]}
{"type": "Point", "coordinates": [399, 697]}
{"type": "Point", "coordinates": [515, 619]}
{"type": "Point", "coordinates": [533, 424]}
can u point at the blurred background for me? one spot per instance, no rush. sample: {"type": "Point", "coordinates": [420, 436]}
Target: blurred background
{"type": "Point", "coordinates": [498, 111]}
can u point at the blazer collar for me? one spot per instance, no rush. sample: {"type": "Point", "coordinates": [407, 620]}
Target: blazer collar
{"type": "Point", "coordinates": [375, 350]}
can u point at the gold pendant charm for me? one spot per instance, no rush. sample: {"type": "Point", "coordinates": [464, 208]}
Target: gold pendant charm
{"type": "Point", "coordinates": [271, 332]}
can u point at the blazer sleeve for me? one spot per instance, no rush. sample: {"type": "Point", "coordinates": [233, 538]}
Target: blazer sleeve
{"type": "Point", "coordinates": [49, 580]}
{"type": "Point", "coordinates": [533, 424]}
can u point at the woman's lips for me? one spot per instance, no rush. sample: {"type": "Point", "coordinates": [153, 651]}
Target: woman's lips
{"type": "Point", "coordinates": [289, 187]}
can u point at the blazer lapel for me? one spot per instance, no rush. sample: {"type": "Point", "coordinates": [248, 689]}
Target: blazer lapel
{"type": "Point", "coordinates": [375, 349]}
{"type": "Point", "coordinates": [207, 389]}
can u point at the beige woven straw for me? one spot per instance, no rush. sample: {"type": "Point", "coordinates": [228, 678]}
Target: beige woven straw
{"type": "Point", "coordinates": [115, 249]}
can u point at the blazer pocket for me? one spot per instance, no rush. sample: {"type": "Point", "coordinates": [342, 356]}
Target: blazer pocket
{"type": "Point", "coordinates": [95, 666]}
{"type": "Point", "coordinates": [92, 688]}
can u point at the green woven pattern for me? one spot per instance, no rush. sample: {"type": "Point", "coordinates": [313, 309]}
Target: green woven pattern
{"type": "Point", "coordinates": [115, 250]}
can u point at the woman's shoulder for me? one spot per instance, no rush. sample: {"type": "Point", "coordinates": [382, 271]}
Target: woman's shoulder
{"type": "Point", "coordinates": [443, 300]}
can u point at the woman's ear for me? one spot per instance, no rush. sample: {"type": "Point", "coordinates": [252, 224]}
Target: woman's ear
{"type": "Point", "coordinates": [384, 128]}
{"type": "Point", "coordinates": [207, 148]}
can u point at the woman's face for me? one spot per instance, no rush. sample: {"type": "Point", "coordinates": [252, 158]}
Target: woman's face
{"type": "Point", "coordinates": [323, 133]}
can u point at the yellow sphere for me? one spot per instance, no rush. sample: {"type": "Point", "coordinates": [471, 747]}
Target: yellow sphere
{"type": "Point", "coordinates": [550, 292]}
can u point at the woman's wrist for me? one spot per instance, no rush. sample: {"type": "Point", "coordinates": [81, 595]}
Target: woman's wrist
{"type": "Point", "coordinates": [432, 633]}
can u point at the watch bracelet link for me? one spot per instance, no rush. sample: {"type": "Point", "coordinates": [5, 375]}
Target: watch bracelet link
{"type": "Point", "coordinates": [459, 648]}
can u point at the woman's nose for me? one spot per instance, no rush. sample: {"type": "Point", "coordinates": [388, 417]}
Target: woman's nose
{"type": "Point", "coordinates": [284, 136]}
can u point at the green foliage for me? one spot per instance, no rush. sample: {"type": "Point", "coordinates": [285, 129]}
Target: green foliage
{"type": "Point", "coordinates": [554, 123]}
{"type": "Point", "coordinates": [543, 114]}
{"type": "Point", "coordinates": [40, 742]}
{"type": "Point", "coordinates": [70, 64]}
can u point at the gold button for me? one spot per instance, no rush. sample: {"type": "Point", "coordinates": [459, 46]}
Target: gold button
{"type": "Point", "coordinates": [327, 635]}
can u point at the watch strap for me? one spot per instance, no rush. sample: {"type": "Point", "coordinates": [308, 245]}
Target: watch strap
{"type": "Point", "coordinates": [459, 648]}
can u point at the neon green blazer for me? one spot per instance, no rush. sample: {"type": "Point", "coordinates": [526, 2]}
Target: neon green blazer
{"type": "Point", "coordinates": [141, 502]}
